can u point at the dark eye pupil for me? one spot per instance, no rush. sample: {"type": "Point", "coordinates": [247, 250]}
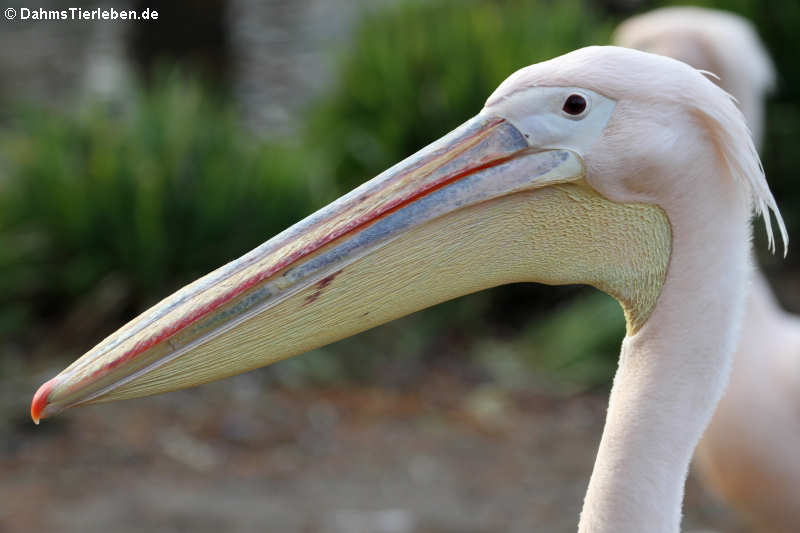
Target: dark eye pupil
{"type": "Point", "coordinates": [574, 104]}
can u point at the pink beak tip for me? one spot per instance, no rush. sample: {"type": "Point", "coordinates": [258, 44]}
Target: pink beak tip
{"type": "Point", "coordinates": [40, 400]}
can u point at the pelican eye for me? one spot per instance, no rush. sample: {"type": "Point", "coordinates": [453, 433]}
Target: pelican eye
{"type": "Point", "coordinates": [574, 105]}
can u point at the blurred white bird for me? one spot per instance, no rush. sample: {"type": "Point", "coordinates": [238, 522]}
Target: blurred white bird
{"type": "Point", "coordinates": [718, 42]}
{"type": "Point", "coordinates": [750, 453]}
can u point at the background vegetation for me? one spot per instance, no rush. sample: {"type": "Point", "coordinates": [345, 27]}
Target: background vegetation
{"type": "Point", "coordinates": [110, 207]}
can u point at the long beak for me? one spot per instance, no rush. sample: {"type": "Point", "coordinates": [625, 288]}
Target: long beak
{"type": "Point", "coordinates": [422, 232]}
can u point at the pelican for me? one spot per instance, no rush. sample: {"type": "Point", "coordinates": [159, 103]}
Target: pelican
{"type": "Point", "coordinates": [607, 166]}
{"type": "Point", "coordinates": [748, 455]}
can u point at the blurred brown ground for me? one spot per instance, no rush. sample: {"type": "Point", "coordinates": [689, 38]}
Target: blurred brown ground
{"type": "Point", "coordinates": [437, 457]}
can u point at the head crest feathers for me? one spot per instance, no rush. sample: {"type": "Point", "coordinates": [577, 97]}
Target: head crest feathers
{"type": "Point", "coordinates": [734, 143]}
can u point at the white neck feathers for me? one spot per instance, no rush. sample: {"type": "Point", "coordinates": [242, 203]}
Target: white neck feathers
{"type": "Point", "coordinates": [673, 371]}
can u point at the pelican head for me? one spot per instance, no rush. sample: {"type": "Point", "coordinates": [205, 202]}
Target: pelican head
{"type": "Point", "coordinates": [590, 168]}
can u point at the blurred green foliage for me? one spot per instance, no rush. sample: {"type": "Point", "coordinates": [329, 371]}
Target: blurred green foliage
{"type": "Point", "coordinates": [574, 346]}
{"type": "Point", "coordinates": [153, 193]}
{"type": "Point", "coordinates": [162, 189]}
